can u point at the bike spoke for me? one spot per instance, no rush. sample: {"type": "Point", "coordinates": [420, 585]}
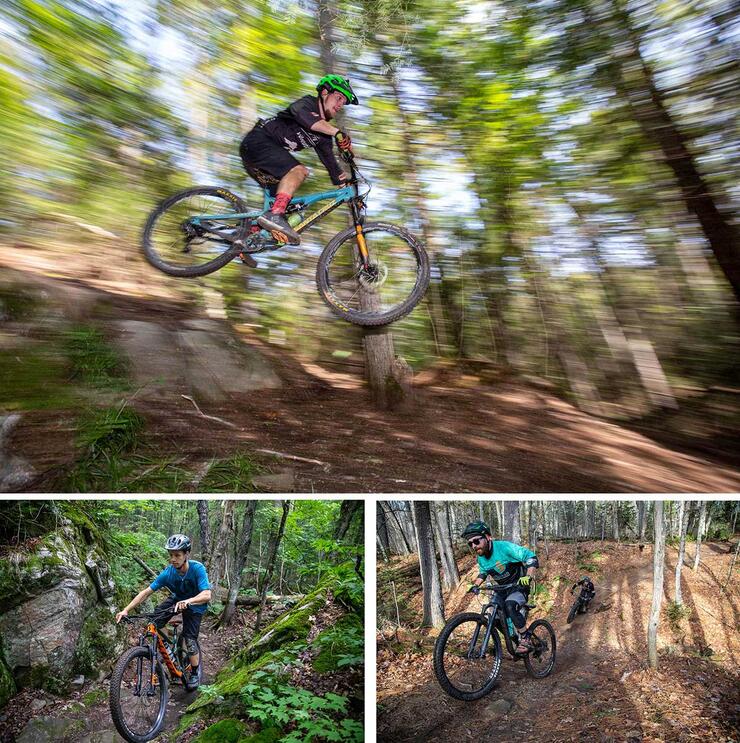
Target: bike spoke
{"type": "Point", "coordinates": [466, 665]}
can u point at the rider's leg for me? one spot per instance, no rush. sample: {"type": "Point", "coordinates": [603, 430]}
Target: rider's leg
{"type": "Point", "coordinates": [163, 612]}
{"type": "Point", "coordinates": [512, 607]}
{"type": "Point", "coordinates": [274, 220]}
{"type": "Point", "coordinates": [190, 630]}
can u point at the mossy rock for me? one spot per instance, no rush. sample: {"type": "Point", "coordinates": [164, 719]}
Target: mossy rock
{"type": "Point", "coordinates": [268, 735]}
{"type": "Point", "coordinates": [7, 684]}
{"type": "Point", "coordinates": [334, 643]}
{"type": "Point", "coordinates": [229, 730]}
{"type": "Point", "coordinates": [293, 625]}
{"type": "Point", "coordinates": [99, 641]}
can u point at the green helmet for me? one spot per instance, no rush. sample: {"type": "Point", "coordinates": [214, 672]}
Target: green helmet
{"type": "Point", "coordinates": [337, 82]}
{"type": "Point", "coordinates": [476, 528]}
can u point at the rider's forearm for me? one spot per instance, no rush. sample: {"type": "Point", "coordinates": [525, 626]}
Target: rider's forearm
{"type": "Point", "coordinates": [141, 596]}
{"type": "Point", "coordinates": [324, 127]}
{"type": "Point", "coordinates": [202, 598]}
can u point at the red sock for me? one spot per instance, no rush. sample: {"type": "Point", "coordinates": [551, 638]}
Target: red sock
{"type": "Point", "coordinates": [281, 203]}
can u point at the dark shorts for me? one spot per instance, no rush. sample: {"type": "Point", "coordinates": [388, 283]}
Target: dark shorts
{"type": "Point", "coordinates": [259, 152]}
{"type": "Point", "coordinates": [190, 619]}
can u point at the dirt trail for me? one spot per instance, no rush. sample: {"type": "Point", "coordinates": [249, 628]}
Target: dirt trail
{"type": "Point", "coordinates": [600, 689]}
{"type": "Point", "coordinates": [33, 716]}
{"type": "Point", "coordinates": [461, 435]}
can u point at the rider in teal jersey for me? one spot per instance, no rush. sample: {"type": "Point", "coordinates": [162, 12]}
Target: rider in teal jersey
{"type": "Point", "coordinates": [505, 562]}
{"type": "Point", "coordinates": [187, 581]}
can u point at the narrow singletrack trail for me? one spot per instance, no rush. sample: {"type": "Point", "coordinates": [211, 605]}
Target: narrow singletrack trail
{"type": "Point", "coordinates": [600, 688]}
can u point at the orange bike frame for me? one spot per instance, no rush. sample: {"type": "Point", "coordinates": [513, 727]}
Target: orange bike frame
{"type": "Point", "coordinates": [164, 652]}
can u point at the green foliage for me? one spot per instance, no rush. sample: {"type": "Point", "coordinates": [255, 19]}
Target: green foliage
{"type": "Point", "coordinates": [227, 730]}
{"type": "Point", "coordinates": [232, 475]}
{"type": "Point", "coordinates": [93, 360]}
{"type": "Point", "coordinates": [308, 716]}
{"type": "Point", "coordinates": [676, 613]}
{"type": "Point", "coordinates": [340, 646]}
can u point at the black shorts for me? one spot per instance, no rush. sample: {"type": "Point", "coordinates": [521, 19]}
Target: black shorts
{"type": "Point", "coordinates": [257, 150]}
{"type": "Point", "coordinates": [190, 619]}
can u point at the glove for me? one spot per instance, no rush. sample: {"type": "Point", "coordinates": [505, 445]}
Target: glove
{"type": "Point", "coordinates": [475, 590]}
{"type": "Point", "coordinates": [343, 141]}
{"type": "Point", "coordinates": [524, 580]}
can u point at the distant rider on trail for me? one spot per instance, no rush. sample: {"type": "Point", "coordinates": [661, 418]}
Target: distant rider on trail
{"type": "Point", "coordinates": [266, 151]}
{"type": "Point", "coordinates": [188, 583]}
{"type": "Point", "coordinates": [505, 562]}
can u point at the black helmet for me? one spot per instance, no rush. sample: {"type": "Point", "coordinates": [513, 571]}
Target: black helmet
{"type": "Point", "coordinates": [476, 528]}
{"type": "Point", "coordinates": [179, 542]}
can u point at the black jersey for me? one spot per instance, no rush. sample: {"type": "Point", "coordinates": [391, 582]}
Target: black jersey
{"type": "Point", "coordinates": [291, 129]}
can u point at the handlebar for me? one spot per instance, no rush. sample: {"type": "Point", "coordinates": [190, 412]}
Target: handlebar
{"type": "Point", "coordinates": [150, 615]}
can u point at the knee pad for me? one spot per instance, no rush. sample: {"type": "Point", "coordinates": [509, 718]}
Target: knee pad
{"type": "Point", "coordinates": [191, 646]}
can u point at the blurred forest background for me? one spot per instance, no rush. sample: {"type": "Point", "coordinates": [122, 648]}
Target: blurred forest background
{"type": "Point", "coordinates": [286, 614]}
{"type": "Point", "coordinates": [572, 167]}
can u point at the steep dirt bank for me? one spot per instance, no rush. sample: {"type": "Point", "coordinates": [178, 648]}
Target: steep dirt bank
{"type": "Point", "coordinates": [462, 435]}
{"type": "Point", "coordinates": [600, 689]}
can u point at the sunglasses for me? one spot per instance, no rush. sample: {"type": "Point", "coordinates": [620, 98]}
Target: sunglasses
{"type": "Point", "coordinates": [476, 541]}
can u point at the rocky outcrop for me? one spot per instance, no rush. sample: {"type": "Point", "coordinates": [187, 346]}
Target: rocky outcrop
{"type": "Point", "coordinates": [56, 619]}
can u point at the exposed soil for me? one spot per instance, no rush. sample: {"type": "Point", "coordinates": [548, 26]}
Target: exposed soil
{"type": "Point", "coordinates": [459, 435]}
{"type": "Point", "coordinates": [601, 688]}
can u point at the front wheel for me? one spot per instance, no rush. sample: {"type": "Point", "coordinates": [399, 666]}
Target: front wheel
{"type": "Point", "coordinates": [393, 283]}
{"type": "Point", "coordinates": [138, 702]}
{"type": "Point", "coordinates": [180, 239]}
{"type": "Point", "coordinates": [574, 610]}
{"type": "Point", "coordinates": [541, 658]}
{"type": "Point", "coordinates": [464, 668]}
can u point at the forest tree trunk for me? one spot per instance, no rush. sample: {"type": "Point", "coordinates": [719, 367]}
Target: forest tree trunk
{"type": "Point", "coordinates": [700, 532]}
{"type": "Point", "coordinates": [432, 591]}
{"type": "Point", "coordinates": [681, 548]}
{"type": "Point", "coordinates": [450, 574]}
{"type": "Point", "coordinates": [205, 532]}
{"type": "Point", "coordinates": [272, 557]}
{"type": "Point", "coordinates": [238, 564]}
{"type": "Point", "coordinates": [658, 560]}
{"type": "Point", "coordinates": [217, 563]}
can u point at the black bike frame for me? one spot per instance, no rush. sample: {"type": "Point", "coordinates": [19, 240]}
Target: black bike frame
{"type": "Point", "coordinates": [494, 622]}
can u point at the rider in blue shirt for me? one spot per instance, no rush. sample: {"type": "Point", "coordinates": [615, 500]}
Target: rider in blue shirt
{"type": "Point", "coordinates": [190, 591]}
{"type": "Point", "coordinates": [505, 562]}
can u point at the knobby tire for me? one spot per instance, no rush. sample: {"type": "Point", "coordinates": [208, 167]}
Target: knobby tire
{"type": "Point", "coordinates": [156, 260]}
{"type": "Point", "coordinates": [364, 318]}
{"type": "Point", "coordinates": [115, 695]}
{"type": "Point", "coordinates": [496, 657]}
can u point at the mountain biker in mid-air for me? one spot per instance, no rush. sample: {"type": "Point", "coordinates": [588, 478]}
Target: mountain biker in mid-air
{"type": "Point", "coordinates": [188, 583]}
{"type": "Point", "coordinates": [505, 562]}
{"type": "Point", "coordinates": [266, 150]}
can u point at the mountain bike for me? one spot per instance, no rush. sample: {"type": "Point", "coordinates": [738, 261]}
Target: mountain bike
{"type": "Point", "coordinates": [139, 685]}
{"type": "Point", "coordinates": [468, 654]}
{"type": "Point", "coordinates": [371, 274]}
{"type": "Point", "coordinates": [580, 605]}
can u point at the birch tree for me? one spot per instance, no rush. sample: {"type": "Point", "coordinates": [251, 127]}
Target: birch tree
{"type": "Point", "coordinates": [658, 564]}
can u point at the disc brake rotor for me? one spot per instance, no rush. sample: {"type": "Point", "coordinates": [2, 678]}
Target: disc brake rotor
{"type": "Point", "coordinates": [373, 276]}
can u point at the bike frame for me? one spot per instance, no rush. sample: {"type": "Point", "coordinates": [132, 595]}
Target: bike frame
{"type": "Point", "coordinates": [154, 641]}
{"type": "Point", "coordinates": [495, 622]}
{"type": "Point", "coordinates": [336, 197]}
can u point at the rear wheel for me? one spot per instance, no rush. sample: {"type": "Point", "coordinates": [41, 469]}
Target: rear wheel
{"type": "Point", "coordinates": [463, 670]}
{"type": "Point", "coordinates": [138, 702]}
{"type": "Point", "coordinates": [393, 284]}
{"type": "Point", "coordinates": [178, 241]}
{"type": "Point", "coordinates": [541, 658]}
